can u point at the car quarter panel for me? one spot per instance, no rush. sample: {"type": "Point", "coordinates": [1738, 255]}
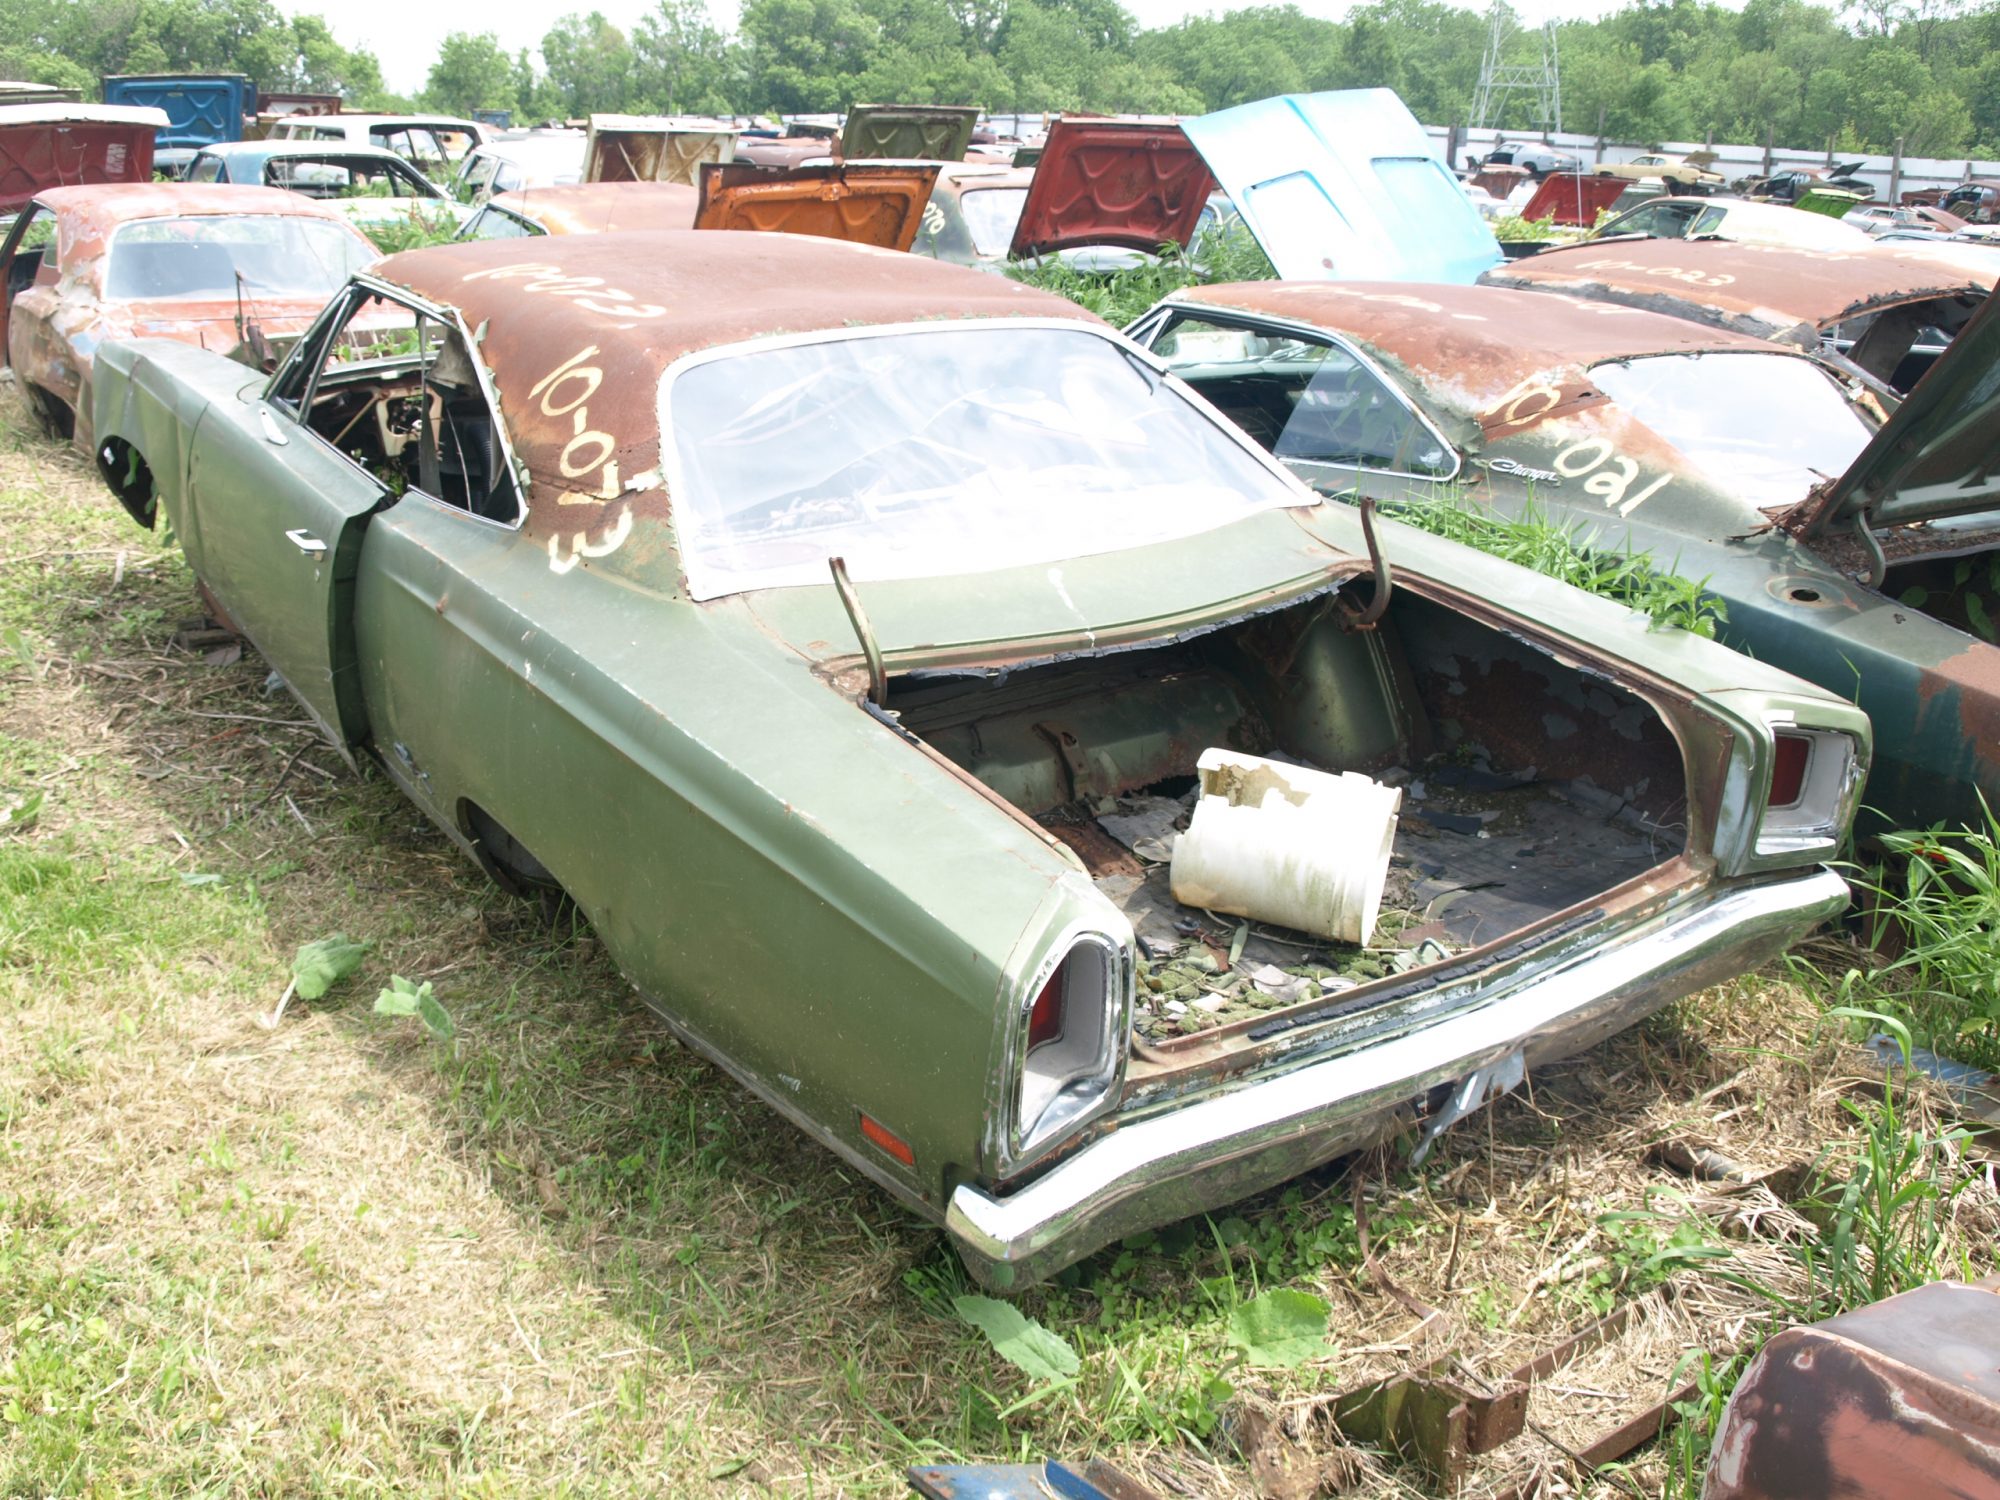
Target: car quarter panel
{"type": "Point", "coordinates": [810, 898]}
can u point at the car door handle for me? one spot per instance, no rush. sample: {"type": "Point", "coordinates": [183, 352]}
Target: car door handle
{"type": "Point", "coordinates": [273, 433]}
{"type": "Point", "coordinates": [306, 542]}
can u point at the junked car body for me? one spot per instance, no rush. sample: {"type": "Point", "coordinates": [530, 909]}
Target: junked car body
{"type": "Point", "coordinates": [1689, 218]}
{"type": "Point", "coordinates": [583, 208]}
{"type": "Point", "coordinates": [1889, 314]}
{"type": "Point", "coordinates": [1693, 170]}
{"type": "Point", "coordinates": [797, 608]}
{"type": "Point", "coordinates": [235, 270]}
{"type": "Point", "coordinates": [367, 184]}
{"type": "Point", "coordinates": [433, 144]}
{"type": "Point", "coordinates": [519, 160]}
{"type": "Point", "coordinates": [1745, 466]}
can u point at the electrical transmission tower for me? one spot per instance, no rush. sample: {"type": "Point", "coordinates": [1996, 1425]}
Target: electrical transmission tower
{"type": "Point", "coordinates": [1542, 80]}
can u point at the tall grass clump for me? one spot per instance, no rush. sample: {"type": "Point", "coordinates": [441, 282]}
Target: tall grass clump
{"type": "Point", "coordinates": [1223, 254]}
{"type": "Point", "coordinates": [1534, 541]}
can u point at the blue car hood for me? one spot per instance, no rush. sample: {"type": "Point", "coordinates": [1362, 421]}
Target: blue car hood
{"type": "Point", "coordinates": [1345, 186]}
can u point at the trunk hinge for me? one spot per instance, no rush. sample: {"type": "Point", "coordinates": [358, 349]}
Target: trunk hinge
{"type": "Point", "coordinates": [878, 675]}
{"type": "Point", "coordinates": [1378, 603]}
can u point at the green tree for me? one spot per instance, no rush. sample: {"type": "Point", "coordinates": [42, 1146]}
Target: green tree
{"type": "Point", "coordinates": [683, 62]}
{"type": "Point", "coordinates": [589, 65]}
{"type": "Point", "coordinates": [805, 55]}
{"type": "Point", "coordinates": [471, 72]}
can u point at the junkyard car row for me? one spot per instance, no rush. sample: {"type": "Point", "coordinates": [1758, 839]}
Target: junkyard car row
{"type": "Point", "coordinates": [999, 741]}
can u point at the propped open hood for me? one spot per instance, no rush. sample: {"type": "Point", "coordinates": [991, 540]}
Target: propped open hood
{"type": "Point", "coordinates": [1574, 198]}
{"type": "Point", "coordinates": [908, 132]}
{"type": "Point", "coordinates": [864, 203]}
{"type": "Point", "coordinates": [1345, 186]}
{"type": "Point", "coordinates": [1936, 456]}
{"type": "Point", "coordinates": [653, 148]}
{"type": "Point", "coordinates": [1134, 183]}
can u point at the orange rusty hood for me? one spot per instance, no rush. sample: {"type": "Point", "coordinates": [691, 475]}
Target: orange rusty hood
{"type": "Point", "coordinates": [864, 203]}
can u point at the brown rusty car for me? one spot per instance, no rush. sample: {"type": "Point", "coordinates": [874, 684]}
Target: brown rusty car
{"type": "Point", "coordinates": [227, 268]}
{"type": "Point", "coordinates": [583, 208]}
{"type": "Point", "coordinates": [1889, 313]}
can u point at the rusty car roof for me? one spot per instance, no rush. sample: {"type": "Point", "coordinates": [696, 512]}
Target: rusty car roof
{"type": "Point", "coordinates": [1763, 290]}
{"type": "Point", "coordinates": [599, 207]}
{"type": "Point", "coordinates": [625, 306]}
{"type": "Point", "coordinates": [1472, 344]}
{"type": "Point", "coordinates": [100, 209]}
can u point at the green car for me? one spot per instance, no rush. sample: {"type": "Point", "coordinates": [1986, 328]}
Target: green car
{"type": "Point", "coordinates": [848, 636]}
{"type": "Point", "coordinates": [1861, 554]}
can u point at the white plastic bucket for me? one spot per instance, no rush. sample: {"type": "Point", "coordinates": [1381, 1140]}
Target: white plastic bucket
{"type": "Point", "coordinates": [1288, 845]}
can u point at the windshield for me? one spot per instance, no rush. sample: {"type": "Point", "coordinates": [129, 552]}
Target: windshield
{"type": "Point", "coordinates": [944, 451]}
{"type": "Point", "coordinates": [991, 214]}
{"type": "Point", "coordinates": [152, 259]}
{"type": "Point", "coordinates": [1765, 427]}
{"type": "Point", "coordinates": [346, 177]}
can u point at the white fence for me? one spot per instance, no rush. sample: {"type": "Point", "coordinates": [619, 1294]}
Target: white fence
{"type": "Point", "coordinates": [1734, 160]}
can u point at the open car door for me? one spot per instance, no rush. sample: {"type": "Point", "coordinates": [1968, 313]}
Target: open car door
{"type": "Point", "coordinates": [1345, 186]}
{"type": "Point", "coordinates": [1133, 183]}
{"type": "Point", "coordinates": [281, 511]}
{"type": "Point", "coordinates": [865, 203]}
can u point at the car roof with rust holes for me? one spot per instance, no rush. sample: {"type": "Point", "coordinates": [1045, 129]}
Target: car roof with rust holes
{"type": "Point", "coordinates": [1764, 290]}
{"type": "Point", "coordinates": [628, 305]}
{"type": "Point", "coordinates": [1470, 345]}
{"type": "Point", "coordinates": [600, 207]}
{"type": "Point", "coordinates": [103, 207]}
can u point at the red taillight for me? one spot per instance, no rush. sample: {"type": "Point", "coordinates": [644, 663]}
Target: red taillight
{"type": "Point", "coordinates": [1045, 1021]}
{"type": "Point", "coordinates": [1788, 769]}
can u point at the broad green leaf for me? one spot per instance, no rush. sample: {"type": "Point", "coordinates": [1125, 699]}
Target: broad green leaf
{"type": "Point", "coordinates": [1018, 1338]}
{"type": "Point", "coordinates": [437, 1020]}
{"type": "Point", "coordinates": [20, 812]}
{"type": "Point", "coordinates": [405, 999]}
{"type": "Point", "coordinates": [1982, 622]}
{"type": "Point", "coordinates": [321, 965]}
{"type": "Point", "coordinates": [1280, 1328]}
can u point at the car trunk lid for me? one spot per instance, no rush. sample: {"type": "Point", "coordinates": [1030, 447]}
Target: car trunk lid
{"type": "Point", "coordinates": [1934, 457]}
{"type": "Point", "coordinates": [864, 203]}
{"type": "Point", "coordinates": [1345, 186]}
{"type": "Point", "coordinates": [907, 132]}
{"type": "Point", "coordinates": [1574, 198]}
{"type": "Point", "coordinates": [1134, 183]}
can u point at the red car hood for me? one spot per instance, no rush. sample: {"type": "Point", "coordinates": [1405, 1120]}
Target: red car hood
{"type": "Point", "coordinates": [1113, 182]}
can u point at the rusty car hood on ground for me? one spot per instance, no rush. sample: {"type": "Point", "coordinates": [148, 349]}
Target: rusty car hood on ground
{"type": "Point", "coordinates": [601, 207]}
{"type": "Point", "coordinates": [1938, 455]}
{"type": "Point", "coordinates": [1766, 291]}
{"type": "Point", "coordinates": [864, 203]}
{"type": "Point", "coordinates": [1140, 184]}
{"type": "Point", "coordinates": [907, 132]}
{"type": "Point", "coordinates": [1344, 185]}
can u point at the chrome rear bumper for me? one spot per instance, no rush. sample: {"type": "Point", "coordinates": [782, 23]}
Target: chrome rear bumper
{"type": "Point", "coordinates": [1245, 1138]}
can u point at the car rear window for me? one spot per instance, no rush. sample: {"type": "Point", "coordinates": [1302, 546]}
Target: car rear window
{"type": "Point", "coordinates": [991, 214]}
{"type": "Point", "coordinates": [1765, 427]}
{"type": "Point", "coordinates": [273, 254]}
{"type": "Point", "coordinates": [942, 451]}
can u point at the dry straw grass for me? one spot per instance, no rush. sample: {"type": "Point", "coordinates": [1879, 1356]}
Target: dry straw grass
{"type": "Point", "coordinates": [566, 1256]}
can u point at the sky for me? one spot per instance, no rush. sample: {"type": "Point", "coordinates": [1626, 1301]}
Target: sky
{"type": "Point", "coordinates": [405, 37]}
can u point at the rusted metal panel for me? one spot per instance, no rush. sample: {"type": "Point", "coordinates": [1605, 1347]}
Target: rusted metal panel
{"type": "Point", "coordinates": [1766, 291]}
{"type": "Point", "coordinates": [1901, 1397]}
{"type": "Point", "coordinates": [863, 203]}
{"type": "Point", "coordinates": [270, 103]}
{"type": "Point", "coordinates": [1500, 180]}
{"type": "Point", "coordinates": [601, 207]}
{"type": "Point", "coordinates": [71, 145]}
{"type": "Point", "coordinates": [908, 132]}
{"type": "Point", "coordinates": [1135, 183]}
{"type": "Point", "coordinates": [653, 148]}
{"type": "Point", "coordinates": [782, 150]}
{"type": "Point", "coordinates": [1574, 199]}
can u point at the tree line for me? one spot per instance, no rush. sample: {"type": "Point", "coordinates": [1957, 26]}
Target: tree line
{"type": "Point", "coordinates": [1925, 72]}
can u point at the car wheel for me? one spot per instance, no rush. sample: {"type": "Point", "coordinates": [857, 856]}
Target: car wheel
{"type": "Point", "coordinates": [53, 418]}
{"type": "Point", "coordinates": [515, 870]}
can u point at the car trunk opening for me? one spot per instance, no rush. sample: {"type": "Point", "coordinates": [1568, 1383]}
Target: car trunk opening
{"type": "Point", "coordinates": [1531, 788]}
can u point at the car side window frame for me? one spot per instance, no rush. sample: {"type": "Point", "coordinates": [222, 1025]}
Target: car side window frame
{"type": "Point", "coordinates": [1148, 329]}
{"type": "Point", "coordinates": [310, 354]}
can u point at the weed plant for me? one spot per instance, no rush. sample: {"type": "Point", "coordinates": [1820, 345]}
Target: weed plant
{"type": "Point", "coordinates": [1225, 254]}
{"type": "Point", "coordinates": [1534, 541]}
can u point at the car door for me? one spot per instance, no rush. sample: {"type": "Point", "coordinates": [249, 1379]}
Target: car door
{"type": "Point", "coordinates": [28, 244]}
{"type": "Point", "coordinates": [1317, 405]}
{"type": "Point", "coordinates": [281, 513]}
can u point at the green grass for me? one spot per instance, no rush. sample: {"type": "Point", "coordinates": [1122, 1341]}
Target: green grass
{"type": "Point", "coordinates": [1226, 254]}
